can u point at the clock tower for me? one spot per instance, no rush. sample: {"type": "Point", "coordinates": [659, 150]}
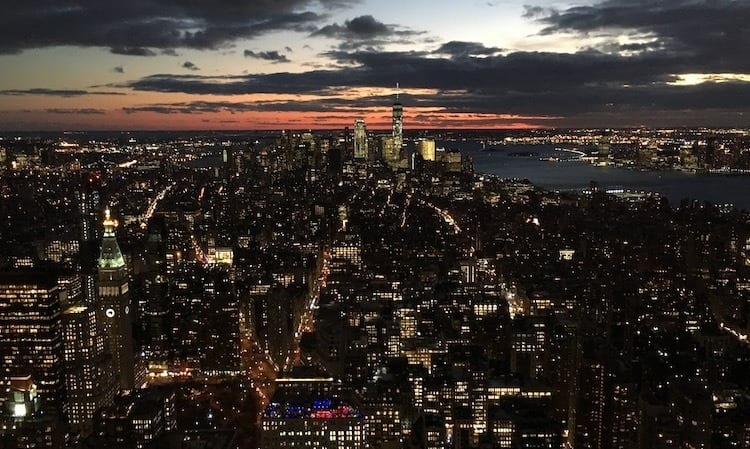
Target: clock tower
{"type": "Point", "coordinates": [113, 306]}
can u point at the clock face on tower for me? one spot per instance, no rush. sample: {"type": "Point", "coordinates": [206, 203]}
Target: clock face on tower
{"type": "Point", "coordinates": [110, 313]}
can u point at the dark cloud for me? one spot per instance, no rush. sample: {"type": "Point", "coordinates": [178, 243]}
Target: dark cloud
{"type": "Point", "coordinates": [274, 55]}
{"type": "Point", "coordinates": [140, 27]}
{"type": "Point", "coordinates": [524, 72]}
{"type": "Point", "coordinates": [639, 46]}
{"type": "Point", "coordinates": [719, 29]}
{"type": "Point", "coordinates": [714, 96]}
{"type": "Point", "coordinates": [132, 51]}
{"type": "Point", "coordinates": [363, 27]}
{"type": "Point", "coordinates": [83, 111]}
{"type": "Point", "coordinates": [532, 12]}
{"type": "Point", "coordinates": [190, 66]}
{"type": "Point", "coordinates": [625, 81]}
{"type": "Point", "coordinates": [461, 49]}
{"type": "Point", "coordinates": [168, 109]}
{"type": "Point", "coordinates": [56, 92]}
{"type": "Point", "coordinates": [366, 31]}
{"type": "Point", "coordinates": [567, 85]}
{"type": "Point", "coordinates": [337, 109]}
{"type": "Point", "coordinates": [344, 105]}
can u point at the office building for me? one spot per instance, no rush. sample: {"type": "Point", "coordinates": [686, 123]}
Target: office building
{"type": "Point", "coordinates": [426, 149]}
{"type": "Point", "coordinates": [31, 335]}
{"type": "Point", "coordinates": [302, 417]}
{"type": "Point", "coordinates": [360, 140]}
{"type": "Point", "coordinates": [89, 380]}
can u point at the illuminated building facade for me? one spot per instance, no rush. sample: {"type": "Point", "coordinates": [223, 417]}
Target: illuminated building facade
{"type": "Point", "coordinates": [390, 151]}
{"type": "Point", "coordinates": [88, 205]}
{"type": "Point", "coordinates": [31, 335]}
{"type": "Point", "coordinates": [312, 423]}
{"type": "Point", "coordinates": [309, 410]}
{"type": "Point", "coordinates": [426, 149]}
{"type": "Point", "coordinates": [220, 330]}
{"type": "Point", "coordinates": [383, 404]}
{"type": "Point", "coordinates": [62, 251]}
{"type": "Point", "coordinates": [361, 150]}
{"type": "Point", "coordinates": [398, 124]}
{"type": "Point", "coordinates": [24, 423]}
{"type": "Point", "coordinates": [346, 255]}
{"type": "Point", "coordinates": [89, 380]}
{"type": "Point", "coordinates": [136, 419]}
{"type": "Point", "coordinates": [114, 305]}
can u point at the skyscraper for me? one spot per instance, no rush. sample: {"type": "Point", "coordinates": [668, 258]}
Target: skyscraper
{"type": "Point", "coordinates": [114, 305]}
{"type": "Point", "coordinates": [89, 207]}
{"type": "Point", "coordinates": [426, 149]}
{"type": "Point", "coordinates": [390, 152]}
{"type": "Point", "coordinates": [220, 330]}
{"type": "Point", "coordinates": [398, 123]}
{"type": "Point", "coordinates": [361, 150]}
{"type": "Point", "coordinates": [89, 380]}
{"type": "Point", "coordinates": [31, 335]}
{"type": "Point", "coordinates": [88, 203]}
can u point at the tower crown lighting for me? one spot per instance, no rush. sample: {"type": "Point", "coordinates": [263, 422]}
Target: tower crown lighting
{"type": "Point", "coordinates": [109, 224]}
{"type": "Point", "coordinates": [110, 256]}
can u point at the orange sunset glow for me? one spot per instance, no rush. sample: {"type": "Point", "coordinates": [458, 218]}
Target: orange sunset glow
{"type": "Point", "coordinates": [312, 64]}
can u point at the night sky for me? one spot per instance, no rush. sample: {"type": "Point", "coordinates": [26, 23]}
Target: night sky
{"type": "Point", "coordinates": [270, 64]}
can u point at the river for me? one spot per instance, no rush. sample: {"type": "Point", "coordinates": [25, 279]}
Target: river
{"type": "Point", "coordinates": [513, 161]}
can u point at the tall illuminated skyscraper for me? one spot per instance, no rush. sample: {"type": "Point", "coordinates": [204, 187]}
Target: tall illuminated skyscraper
{"type": "Point", "coordinates": [360, 140]}
{"type": "Point", "coordinates": [31, 335]}
{"type": "Point", "coordinates": [89, 380]}
{"type": "Point", "coordinates": [113, 307]}
{"type": "Point", "coordinates": [398, 123]}
{"type": "Point", "coordinates": [88, 202]}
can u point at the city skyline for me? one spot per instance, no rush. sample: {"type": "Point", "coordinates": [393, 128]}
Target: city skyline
{"type": "Point", "coordinates": [375, 290]}
{"type": "Point", "coordinates": [319, 65]}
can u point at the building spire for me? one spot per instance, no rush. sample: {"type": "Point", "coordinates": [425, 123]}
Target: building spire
{"type": "Point", "coordinates": [110, 255]}
{"type": "Point", "coordinates": [109, 224]}
{"type": "Point", "coordinates": [398, 91]}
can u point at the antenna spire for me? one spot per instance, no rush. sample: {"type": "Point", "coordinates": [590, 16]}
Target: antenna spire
{"type": "Point", "coordinates": [398, 91]}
